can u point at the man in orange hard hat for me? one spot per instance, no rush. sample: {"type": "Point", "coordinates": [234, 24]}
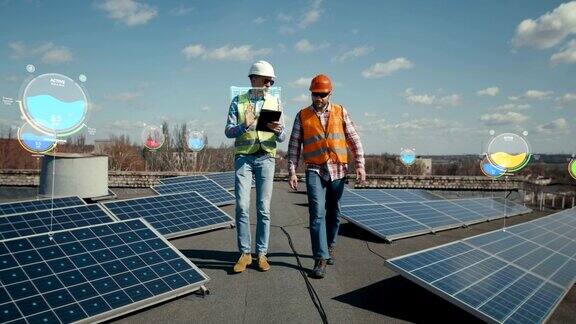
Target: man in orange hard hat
{"type": "Point", "coordinates": [324, 132]}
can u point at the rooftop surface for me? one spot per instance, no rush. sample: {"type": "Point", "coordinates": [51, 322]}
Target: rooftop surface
{"type": "Point", "coordinates": [357, 289]}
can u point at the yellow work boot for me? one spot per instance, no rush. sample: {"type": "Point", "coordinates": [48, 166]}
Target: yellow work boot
{"type": "Point", "coordinates": [244, 261]}
{"type": "Point", "coordinates": [263, 264]}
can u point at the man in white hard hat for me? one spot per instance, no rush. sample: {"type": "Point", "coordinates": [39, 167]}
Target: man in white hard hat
{"type": "Point", "coordinates": [255, 153]}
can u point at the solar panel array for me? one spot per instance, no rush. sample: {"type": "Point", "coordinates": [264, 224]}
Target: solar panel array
{"type": "Point", "coordinates": [91, 274]}
{"type": "Point", "coordinates": [44, 221]}
{"type": "Point", "coordinates": [207, 188]}
{"type": "Point", "coordinates": [172, 215]}
{"type": "Point", "coordinates": [352, 197]}
{"type": "Point", "coordinates": [516, 275]}
{"type": "Point", "coordinates": [398, 220]}
{"type": "Point", "coordinates": [39, 204]}
{"type": "Point", "coordinates": [182, 179]}
{"type": "Point", "coordinates": [225, 179]}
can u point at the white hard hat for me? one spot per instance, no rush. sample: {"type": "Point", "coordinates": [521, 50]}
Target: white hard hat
{"type": "Point", "coordinates": [262, 68]}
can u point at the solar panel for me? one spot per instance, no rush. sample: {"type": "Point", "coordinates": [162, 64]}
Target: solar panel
{"type": "Point", "coordinates": [383, 221]}
{"type": "Point", "coordinates": [426, 216]}
{"type": "Point", "coordinates": [182, 179]}
{"type": "Point", "coordinates": [44, 221]}
{"type": "Point", "coordinates": [172, 215]}
{"type": "Point", "coordinates": [224, 179]}
{"type": "Point", "coordinates": [91, 274]}
{"type": "Point", "coordinates": [39, 204]}
{"type": "Point", "coordinates": [384, 196]}
{"type": "Point", "coordinates": [207, 188]}
{"type": "Point", "coordinates": [351, 198]}
{"type": "Point", "coordinates": [516, 275]}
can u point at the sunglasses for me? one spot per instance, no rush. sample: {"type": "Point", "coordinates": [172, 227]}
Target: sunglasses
{"type": "Point", "coordinates": [266, 81]}
{"type": "Point", "coordinates": [320, 94]}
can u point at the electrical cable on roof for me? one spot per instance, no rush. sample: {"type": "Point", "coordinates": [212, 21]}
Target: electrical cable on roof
{"type": "Point", "coordinates": [311, 291]}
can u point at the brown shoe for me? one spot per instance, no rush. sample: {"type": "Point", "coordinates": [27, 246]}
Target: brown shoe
{"type": "Point", "coordinates": [263, 264]}
{"type": "Point", "coordinates": [319, 270]}
{"type": "Point", "coordinates": [244, 261]}
{"type": "Point", "coordinates": [331, 252]}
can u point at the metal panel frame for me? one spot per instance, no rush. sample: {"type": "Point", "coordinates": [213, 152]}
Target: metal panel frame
{"type": "Point", "coordinates": [222, 203]}
{"type": "Point", "coordinates": [229, 223]}
{"type": "Point", "coordinates": [151, 301]}
{"type": "Point", "coordinates": [233, 172]}
{"type": "Point", "coordinates": [31, 200]}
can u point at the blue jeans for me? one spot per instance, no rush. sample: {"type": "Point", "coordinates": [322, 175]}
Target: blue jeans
{"type": "Point", "coordinates": [262, 166]}
{"type": "Point", "coordinates": [324, 208]}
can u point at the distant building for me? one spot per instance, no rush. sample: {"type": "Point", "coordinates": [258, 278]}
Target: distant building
{"type": "Point", "coordinates": [100, 146]}
{"type": "Point", "coordinates": [426, 166]}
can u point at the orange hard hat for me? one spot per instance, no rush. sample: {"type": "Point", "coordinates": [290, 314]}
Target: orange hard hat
{"type": "Point", "coordinates": [321, 83]}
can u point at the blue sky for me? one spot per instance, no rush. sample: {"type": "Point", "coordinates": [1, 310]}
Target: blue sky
{"type": "Point", "coordinates": [436, 76]}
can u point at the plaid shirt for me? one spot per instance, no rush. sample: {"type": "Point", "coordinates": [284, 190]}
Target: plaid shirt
{"type": "Point", "coordinates": [330, 170]}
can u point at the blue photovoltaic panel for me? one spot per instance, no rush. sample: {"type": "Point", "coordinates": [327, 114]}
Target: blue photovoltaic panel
{"type": "Point", "coordinates": [224, 179]}
{"type": "Point", "coordinates": [464, 215]}
{"type": "Point", "coordinates": [207, 188]}
{"type": "Point", "coordinates": [405, 195]}
{"type": "Point", "coordinates": [39, 204]}
{"type": "Point", "coordinates": [182, 179]}
{"type": "Point", "coordinates": [172, 215]}
{"type": "Point", "coordinates": [426, 215]}
{"type": "Point", "coordinates": [44, 221]}
{"type": "Point", "coordinates": [377, 196]}
{"type": "Point", "coordinates": [351, 198]}
{"type": "Point", "coordinates": [91, 274]}
{"type": "Point", "coordinates": [384, 196]}
{"type": "Point", "coordinates": [516, 275]}
{"type": "Point", "coordinates": [382, 221]}
{"type": "Point", "coordinates": [430, 215]}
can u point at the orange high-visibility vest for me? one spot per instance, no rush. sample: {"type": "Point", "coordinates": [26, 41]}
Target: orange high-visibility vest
{"type": "Point", "coordinates": [322, 145]}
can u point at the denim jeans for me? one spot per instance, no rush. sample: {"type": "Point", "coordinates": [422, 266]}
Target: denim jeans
{"type": "Point", "coordinates": [262, 166]}
{"type": "Point", "coordinates": [324, 208]}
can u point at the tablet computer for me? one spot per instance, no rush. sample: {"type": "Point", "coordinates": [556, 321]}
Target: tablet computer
{"type": "Point", "coordinates": [267, 116]}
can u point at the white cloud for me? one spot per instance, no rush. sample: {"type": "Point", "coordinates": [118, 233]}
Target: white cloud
{"type": "Point", "coordinates": [415, 125]}
{"type": "Point", "coordinates": [226, 52]}
{"type": "Point", "coordinates": [538, 94]}
{"type": "Point", "coordinates": [511, 107]}
{"type": "Point", "coordinates": [128, 12]}
{"type": "Point", "coordinates": [300, 83]}
{"type": "Point", "coordinates": [370, 115]}
{"type": "Point", "coordinates": [301, 98]}
{"type": "Point", "coordinates": [513, 98]}
{"type": "Point", "coordinates": [48, 53]}
{"type": "Point", "coordinates": [308, 17]}
{"type": "Point", "coordinates": [491, 91]}
{"type": "Point", "coordinates": [305, 46]}
{"type": "Point", "coordinates": [311, 15]}
{"type": "Point", "coordinates": [549, 29]}
{"type": "Point", "coordinates": [567, 55]}
{"type": "Point", "coordinates": [57, 55]}
{"type": "Point", "coordinates": [509, 117]}
{"type": "Point", "coordinates": [568, 97]}
{"type": "Point", "coordinates": [180, 11]}
{"type": "Point", "coordinates": [126, 96]}
{"type": "Point", "coordinates": [353, 53]}
{"type": "Point", "coordinates": [125, 125]}
{"type": "Point", "coordinates": [379, 70]}
{"type": "Point", "coordinates": [557, 126]}
{"type": "Point", "coordinates": [283, 17]}
{"type": "Point", "coordinates": [259, 20]}
{"type": "Point", "coordinates": [206, 108]}
{"type": "Point", "coordinates": [412, 98]}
